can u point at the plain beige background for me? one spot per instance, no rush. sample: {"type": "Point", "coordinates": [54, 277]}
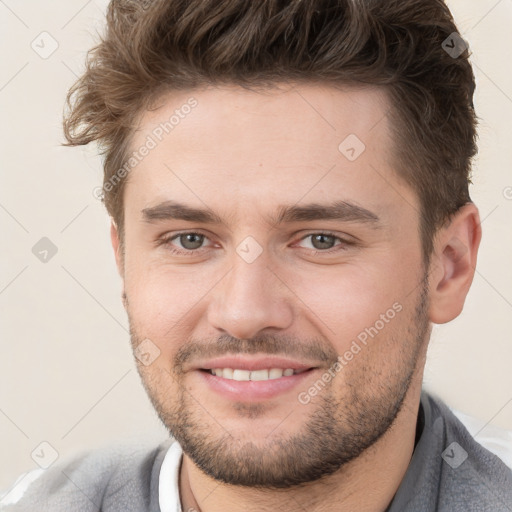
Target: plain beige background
{"type": "Point", "coordinates": [67, 376]}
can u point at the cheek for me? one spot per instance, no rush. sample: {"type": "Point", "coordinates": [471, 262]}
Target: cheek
{"type": "Point", "coordinates": [161, 298]}
{"type": "Point", "coordinates": [355, 302]}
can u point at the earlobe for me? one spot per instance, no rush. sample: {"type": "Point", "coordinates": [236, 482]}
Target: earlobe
{"type": "Point", "coordinates": [453, 264]}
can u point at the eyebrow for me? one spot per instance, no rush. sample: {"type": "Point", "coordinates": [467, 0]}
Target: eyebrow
{"type": "Point", "coordinates": [169, 210]}
{"type": "Point", "coordinates": [339, 210]}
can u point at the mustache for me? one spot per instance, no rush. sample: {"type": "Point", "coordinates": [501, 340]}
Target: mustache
{"type": "Point", "coordinates": [314, 349]}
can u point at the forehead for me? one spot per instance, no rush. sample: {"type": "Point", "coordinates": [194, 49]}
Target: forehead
{"type": "Point", "coordinates": [229, 147]}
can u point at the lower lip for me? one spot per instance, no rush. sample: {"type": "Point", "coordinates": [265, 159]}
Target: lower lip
{"type": "Point", "coordinates": [253, 390]}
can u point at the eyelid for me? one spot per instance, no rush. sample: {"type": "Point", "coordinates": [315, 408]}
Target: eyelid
{"type": "Point", "coordinates": [342, 243]}
{"type": "Point", "coordinates": [347, 239]}
{"type": "Point", "coordinates": [168, 237]}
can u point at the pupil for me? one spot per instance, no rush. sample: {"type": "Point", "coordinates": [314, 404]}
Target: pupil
{"type": "Point", "coordinates": [323, 241]}
{"type": "Point", "coordinates": [191, 240]}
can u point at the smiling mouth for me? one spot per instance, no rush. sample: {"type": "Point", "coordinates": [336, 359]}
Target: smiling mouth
{"type": "Point", "coordinates": [254, 375]}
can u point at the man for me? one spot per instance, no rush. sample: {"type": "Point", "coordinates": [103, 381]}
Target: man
{"type": "Point", "coordinates": [288, 187]}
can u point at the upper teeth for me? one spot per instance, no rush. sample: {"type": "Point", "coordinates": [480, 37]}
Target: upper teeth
{"type": "Point", "coordinates": [235, 374]}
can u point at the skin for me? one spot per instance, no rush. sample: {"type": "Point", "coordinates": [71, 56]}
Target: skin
{"type": "Point", "coordinates": [243, 155]}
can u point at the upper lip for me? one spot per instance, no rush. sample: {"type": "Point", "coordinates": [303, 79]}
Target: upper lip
{"type": "Point", "coordinates": [260, 363]}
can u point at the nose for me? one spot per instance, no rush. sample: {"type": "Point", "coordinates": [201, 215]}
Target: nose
{"type": "Point", "coordinates": [249, 300]}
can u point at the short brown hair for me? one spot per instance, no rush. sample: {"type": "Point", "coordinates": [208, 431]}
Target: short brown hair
{"type": "Point", "coordinates": [151, 47]}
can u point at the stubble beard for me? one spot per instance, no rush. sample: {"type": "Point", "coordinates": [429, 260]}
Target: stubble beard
{"type": "Point", "coordinates": [338, 430]}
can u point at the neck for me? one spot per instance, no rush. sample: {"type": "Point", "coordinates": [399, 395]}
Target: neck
{"type": "Point", "coordinates": [366, 484]}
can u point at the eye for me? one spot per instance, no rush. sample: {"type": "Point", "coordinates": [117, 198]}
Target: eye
{"type": "Point", "coordinates": [324, 242]}
{"type": "Point", "coordinates": [189, 241]}
{"type": "Point", "coordinates": [186, 243]}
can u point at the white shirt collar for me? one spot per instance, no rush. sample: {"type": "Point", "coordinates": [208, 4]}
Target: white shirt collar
{"type": "Point", "coordinates": [168, 482]}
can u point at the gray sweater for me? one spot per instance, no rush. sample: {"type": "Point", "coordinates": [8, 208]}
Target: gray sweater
{"type": "Point", "coordinates": [449, 472]}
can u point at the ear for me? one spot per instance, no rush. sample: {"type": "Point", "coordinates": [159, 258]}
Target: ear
{"type": "Point", "coordinates": [116, 245]}
{"type": "Point", "coordinates": [453, 264]}
{"type": "Point", "coordinates": [118, 253]}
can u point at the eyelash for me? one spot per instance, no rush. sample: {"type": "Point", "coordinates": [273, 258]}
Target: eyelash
{"type": "Point", "coordinates": [167, 239]}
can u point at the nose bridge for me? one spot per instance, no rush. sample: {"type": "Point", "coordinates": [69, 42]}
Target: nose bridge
{"type": "Point", "coordinates": [249, 300]}
{"type": "Point", "coordinates": [250, 280]}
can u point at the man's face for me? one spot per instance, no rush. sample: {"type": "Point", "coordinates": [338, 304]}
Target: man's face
{"type": "Point", "coordinates": [305, 255]}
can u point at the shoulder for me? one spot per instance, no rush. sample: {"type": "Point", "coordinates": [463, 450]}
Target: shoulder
{"type": "Point", "coordinates": [472, 477]}
{"type": "Point", "coordinates": [496, 440]}
{"type": "Point", "coordinates": [119, 478]}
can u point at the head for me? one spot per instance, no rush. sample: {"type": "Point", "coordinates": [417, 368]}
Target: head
{"type": "Point", "coordinates": [288, 180]}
